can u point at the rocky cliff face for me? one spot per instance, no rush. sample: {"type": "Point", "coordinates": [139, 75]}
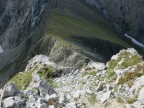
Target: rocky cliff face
{"type": "Point", "coordinates": [19, 22]}
{"type": "Point", "coordinates": [127, 16]}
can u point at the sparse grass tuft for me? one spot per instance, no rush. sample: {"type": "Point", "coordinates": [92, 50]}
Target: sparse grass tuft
{"type": "Point", "coordinates": [130, 83]}
{"type": "Point", "coordinates": [23, 79]}
{"type": "Point", "coordinates": [92, 99]}
{"type": "Point", "coordinates": [93, 73]}
{"type": "Point", "coordinates": [48, 73]}
{"type": "Point", "coordinates": [120, 100]}
{"type": "Point", "coordinates": [131, 100]}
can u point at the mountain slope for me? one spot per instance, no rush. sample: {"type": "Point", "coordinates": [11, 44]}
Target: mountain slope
{"type": "Point", "coordinates": [69, 32]}
{"type": "Point", "coordinates": [126, 16]}
{"type": "Point", "coordinates": [71, 18]}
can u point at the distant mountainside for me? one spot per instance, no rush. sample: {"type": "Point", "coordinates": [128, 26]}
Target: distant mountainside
{"type": "Point", "coordinates": [126, 16]}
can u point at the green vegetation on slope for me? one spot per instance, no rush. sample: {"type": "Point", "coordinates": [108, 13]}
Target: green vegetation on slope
{"type": "Point", "coordinates": [125, 60]}
{"type": "Point", "coordinates": [23, 79]}
{"type": "Point", "coordinates": [74, 18]}
{"type": "Point", "coordinates": [135, 59]}
{"type": "Point", "coordinates": [48, 73]}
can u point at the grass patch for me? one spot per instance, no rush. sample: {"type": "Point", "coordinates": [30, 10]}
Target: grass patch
{"type": "Point", "coordinates": [92, 99]}
{"type": "Point", "coordinates": [48, 73]}
{"type": "Point", "coordinates": [131, 100]}
{"type": "Point", "coordinates": [130, 83]}
{"type": "Point", "coordinates": [93, 73]}
{"type": "Point", "coordinates": [120, 100]}
{"type": "Point", "coordinates": [23, 79]}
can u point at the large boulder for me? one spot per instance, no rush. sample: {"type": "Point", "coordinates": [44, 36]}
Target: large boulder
{"type": "Point", "coordinates": [9, 90]}
{"type": "Point", "coordinates": [106, 96]}
{"type": "Point", "coordinates": [13, 102]}
{"type": "Point", "coordinates": [9, 102]}
{"type": "Point", "coordinates": [41, 85]}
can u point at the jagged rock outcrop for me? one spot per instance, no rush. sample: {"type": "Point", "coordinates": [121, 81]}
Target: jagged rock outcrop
{"type": "Point", "coordinates": [89, 86]}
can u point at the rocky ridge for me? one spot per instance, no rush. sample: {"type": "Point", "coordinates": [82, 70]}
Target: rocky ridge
{"type": "Point", "coordinates": [33, 27]}
{"type": "Point", "coordinates": [44, 84]}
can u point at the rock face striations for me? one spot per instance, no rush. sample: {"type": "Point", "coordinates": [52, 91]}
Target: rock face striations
{"type": "Point", "coordinates": [127, 16]}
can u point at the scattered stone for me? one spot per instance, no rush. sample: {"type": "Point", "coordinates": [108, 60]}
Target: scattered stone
{"type": "Point", "coordinates": [43, 105]}
{"type": "Point", "coordinates": [52, 97]}
{"type": "Point", "coordinates": [31, 105]}
{"type": "Point", "coordinates": [63, 99]}
{"type": "Point", "coordinates": [77, 94]}
{"type": "Point", "coordinates": [138, 104]}
{"type": "Point", "coordinates": [109, 87]}
{"type": "Point", "coordinates": [19, 102]}
{"type": "Point", "coordinates": [52, 106]}
{"type": "Point", "coordinates": [97, 65]}
{"type": "Point", "coordinates": [100, 87]}
{"type": "Point", "coordinates": [106, 96]}
{"type": "Point", "coordinates": [129, 106]}
{"type": "Point", "coordinates": [71, 105]}
{"type": "Point", "coordinates": [40, 101]}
